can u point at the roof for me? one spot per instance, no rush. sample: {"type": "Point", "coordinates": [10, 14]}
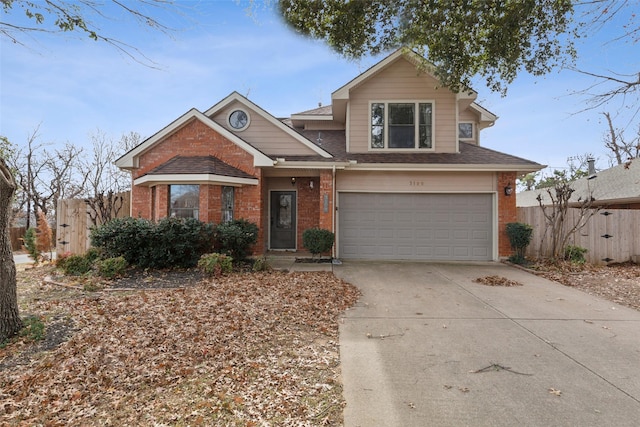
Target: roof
{"type": "Point", "coordinates": [198, 165]}
{"type": "Point", "coordinates": [619, 184]}
{"type": "Point", "coordinates": [470, 155]}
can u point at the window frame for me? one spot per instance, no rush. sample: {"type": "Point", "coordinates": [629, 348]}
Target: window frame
{"type": "Point", "coordinates": [473, 133]}
{"type": "Point", "coordinates": [416, 125]}
{"type": "Point", "coordinates": [228, 212]}
{"type": "Point", "coordinates": [172, 212]}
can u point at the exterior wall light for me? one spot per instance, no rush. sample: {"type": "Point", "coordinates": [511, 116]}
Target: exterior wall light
{"type": "Point", "coordinates": [293, 181]}
{"type": "Point", "coordinates": [508, 190]}
{"type": "Point", "coordinates": [311, 184]}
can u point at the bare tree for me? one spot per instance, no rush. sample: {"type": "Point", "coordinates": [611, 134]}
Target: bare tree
{"type": "Point", "coordinates": [85, 17]}
{"type": "Point", "coordinates": [45, 176]}
{"type": "Point", "coordinates": [9, 315]}
{"type": "Point", "coordinates": [559, 226]}
{"type": "Point", "coordinates": [106, 182]}
{"type": "Point", "coordinates": [622, 149]}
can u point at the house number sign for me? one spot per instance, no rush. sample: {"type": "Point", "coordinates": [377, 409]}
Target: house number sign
{"type": "Point", "coordinates": [416, 183]}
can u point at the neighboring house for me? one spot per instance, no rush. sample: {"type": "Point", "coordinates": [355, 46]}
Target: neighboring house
{"type": "Point", "coordinates": [614, 188]}
{"type": "Point", "coordinates": [394, 167]}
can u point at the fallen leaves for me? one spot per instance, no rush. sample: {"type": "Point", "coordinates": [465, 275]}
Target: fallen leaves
{"type": "Point", "coordinates": [497, 281]}
{"type": "Point", "coordinates": [248, 349]}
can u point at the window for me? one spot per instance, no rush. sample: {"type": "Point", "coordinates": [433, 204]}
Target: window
{"type": "Point", "coordinates": [402, 125]}
{"type": "Point", "coordinates": [239, 120]}
{"type": "Point", "coordinates": [227, 204]}
{"type": "Point", "coordinates": [465, 130]}
{"type": "Point", "coordinates": [184, 201]}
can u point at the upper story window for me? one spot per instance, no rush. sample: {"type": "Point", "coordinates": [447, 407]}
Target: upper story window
{"type": "Point", "coordinates": [465, 130]}
{"type": "Point", "coordinates": [402, 125]}
{"type": "Point", "coordinates": [184, 201]}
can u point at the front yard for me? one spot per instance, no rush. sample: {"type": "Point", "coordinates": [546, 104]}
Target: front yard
{"type": "Point", "coordinates": [245, 350]}
{"type": "Point", "coordinates": [252, 349]}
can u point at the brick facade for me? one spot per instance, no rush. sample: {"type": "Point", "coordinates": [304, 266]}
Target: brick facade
{"type": "Point", "coordinates": [507, 211]}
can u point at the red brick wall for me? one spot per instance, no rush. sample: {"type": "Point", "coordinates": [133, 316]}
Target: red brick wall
{"type": "Point", "coordinates": [506, 211]}
{"type": "Point", "coordinates": [326, 188]}
{"type": "Point", "coordinates": [308, 215]}
{"type": "Point", "coordinates": [197, 139]}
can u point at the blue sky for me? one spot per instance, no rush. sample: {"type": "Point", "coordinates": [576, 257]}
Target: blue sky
{"type": "Point", "coordinates": [73, 86]}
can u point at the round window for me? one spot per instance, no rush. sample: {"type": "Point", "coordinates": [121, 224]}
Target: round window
{"type": "Point", "coordinates": [238, 119]}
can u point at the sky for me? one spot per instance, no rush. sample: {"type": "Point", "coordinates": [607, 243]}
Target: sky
{"type": "Point", "coordinates": [72, 87]}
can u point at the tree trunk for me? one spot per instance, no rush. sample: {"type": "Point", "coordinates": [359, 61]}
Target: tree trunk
{"type": "Point", "coordinates": [9, 317]}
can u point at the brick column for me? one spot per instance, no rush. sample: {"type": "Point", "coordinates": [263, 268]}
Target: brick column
{"type": "Point", "coordinates": [506, 211]}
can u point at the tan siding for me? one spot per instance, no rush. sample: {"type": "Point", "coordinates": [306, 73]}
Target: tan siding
{"type": "Point", "coordinates": [323, 125]}
{"type": "Point", "coordinates": [415, 182]}
{"type": "Point", "coordinates": [262, 134]}
{"type": "Point", "coordinates": [401, 81]}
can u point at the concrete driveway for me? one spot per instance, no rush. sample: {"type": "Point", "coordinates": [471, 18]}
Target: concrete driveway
{"type": "Point", "coordinates": [426, 346]}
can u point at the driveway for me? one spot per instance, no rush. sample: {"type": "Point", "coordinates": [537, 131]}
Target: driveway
{"type": "Point", "coordinates": [426, 346]}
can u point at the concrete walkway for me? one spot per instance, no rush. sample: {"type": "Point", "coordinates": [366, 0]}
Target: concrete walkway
{"type": "Point", "coordinates": [426, 346]}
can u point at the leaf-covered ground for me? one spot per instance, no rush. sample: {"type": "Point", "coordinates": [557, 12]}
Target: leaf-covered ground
{"type": "Point", "coordinates": [247, 350]}
{"type": "Point", "coordinates": [619, 283]}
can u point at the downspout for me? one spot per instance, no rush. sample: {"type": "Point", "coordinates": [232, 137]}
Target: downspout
{"type": "Point", "coordinates": [333, 209]}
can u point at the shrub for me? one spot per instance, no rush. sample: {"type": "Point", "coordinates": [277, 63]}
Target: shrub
{"type": "Point", "coordinates": [172, 242]}
{"type": "Point", "coordinates": [519, 237]}
{"type": "Point", "coordinates": [43, 236]}
{"type": "Point", "coordinates": [30, 242]}
{"type": "Point", "coordinates": [261, 264]}
{"type": "Point", "coordinates": [317, 240]}
{"type": "Point", "coordinates": [575, 254]}
{"type": "Point", "coordinates": [234, 238]}
{"type": "Point", "coordinates": [112, 267]}
{"type": "Point", "coordinates": [76, 265]}
{"type": "Point", "coordinates": [216, 264]}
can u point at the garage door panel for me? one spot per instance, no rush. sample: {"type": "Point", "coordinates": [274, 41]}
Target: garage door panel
{"type": "Point", "coordinates": [416, 226]}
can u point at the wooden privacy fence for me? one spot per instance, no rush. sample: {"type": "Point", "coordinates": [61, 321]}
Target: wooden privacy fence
{"type": "Point", "coordinates": [611, 235]}
{"type": "Point", "coordinates": [17, 236]}
{"type": "Point", "coordinates": [74, 224]}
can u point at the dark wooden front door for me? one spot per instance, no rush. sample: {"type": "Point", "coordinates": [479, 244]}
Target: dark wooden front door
{"type": "Point", "coordinates": [283, 220]}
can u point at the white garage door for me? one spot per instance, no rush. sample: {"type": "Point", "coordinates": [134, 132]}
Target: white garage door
{"type": "Point", "coordinates": [415, 226]}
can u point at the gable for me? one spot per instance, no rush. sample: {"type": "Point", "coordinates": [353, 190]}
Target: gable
{"type": "Point", "coordinates": [265, 132]}
{"type": "Point", "coordinates": [402, 81]}
{"type": "Point", "coordinates": [131, 159]}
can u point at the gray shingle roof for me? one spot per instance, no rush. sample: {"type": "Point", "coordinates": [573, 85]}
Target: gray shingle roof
{"type": "Point", "coordinates": [179, 165]}
{"type": "Point", "coordinates": [619, 183]}
{"type": "Point", "coordinates": [333, 141]}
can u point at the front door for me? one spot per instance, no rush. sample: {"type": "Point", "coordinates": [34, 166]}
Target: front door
{"type": "Point", "coordinates": [283, 220]}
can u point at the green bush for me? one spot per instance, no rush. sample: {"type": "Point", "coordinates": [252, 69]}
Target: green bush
{"type": "Point", "coordinates": [261, 264]}
{"type": "Point", "coordinates": [32, 329]}
{"type": "Point", "coordinates": [112, 267]}
{"type": "Point", "coordinates": [172, 242]}
{"type": "Point", "coordinates": [76, 265]}
{"type": "Point", "coordinates": [317, 240]}
{"type": "Point", "coordinates": [519, 237]}
{"type": "Point", "coordinates": [216, 264]}
{"type": "Point", "coordinates": [31, 243]}
{"type": "Point", "coordinates": [575, 254]}
{"type": "Point", "coordinates": [234, 238]}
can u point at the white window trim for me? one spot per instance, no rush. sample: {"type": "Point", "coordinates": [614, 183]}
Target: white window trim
{"type": "Point", "coordinates": [416, 102]}
{"type": "Point", "coordinates": [233, 110]}
{"type": "Point", "coordinates": [473, 131]}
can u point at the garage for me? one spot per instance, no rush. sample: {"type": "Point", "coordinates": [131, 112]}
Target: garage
{"type": "Point", "coordinates": [415, 226]}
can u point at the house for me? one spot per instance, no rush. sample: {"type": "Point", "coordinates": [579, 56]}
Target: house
{"type": "Point", "coordinates": [394, 167]}
{"type": "Point", "coordinates": [614, 188]}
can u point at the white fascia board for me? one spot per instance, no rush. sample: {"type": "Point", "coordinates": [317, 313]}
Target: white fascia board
{"type": "Point", "coordinates": [305, 117]}
{"type": "Point", "coordinates": [204, 178]}
{"type": "Point", "coordinates": [281, 164]}
{"type": "Point", "coordinates": [485, 115]}
{"type": "Point", "coordinates": [236, 97]}
{"type": "Point", "coordinates": [444, 167]}
{"type": "Point", "coordinates": [130, 159]}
